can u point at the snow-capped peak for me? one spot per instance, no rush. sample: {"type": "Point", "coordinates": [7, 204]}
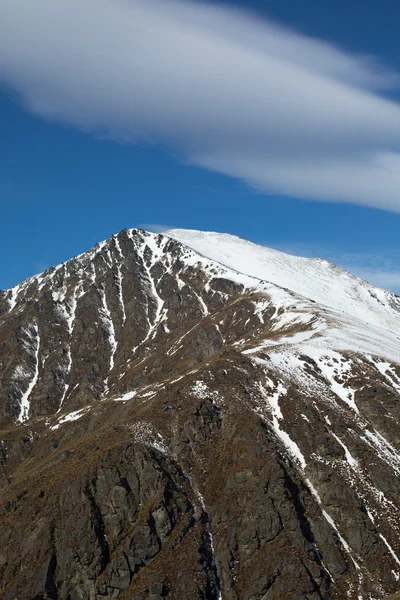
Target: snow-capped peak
{"type": "Point", "coordinates": [314, 279]}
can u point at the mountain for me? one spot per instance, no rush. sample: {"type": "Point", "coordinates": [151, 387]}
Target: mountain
{"type": "Point", "coordinates": [191, 416]}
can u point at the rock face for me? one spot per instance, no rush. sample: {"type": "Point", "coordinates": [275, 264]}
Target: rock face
{"type": "Point", "coordinates": [174, 424]}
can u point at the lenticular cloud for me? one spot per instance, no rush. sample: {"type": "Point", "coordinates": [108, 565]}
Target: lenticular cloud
{"type": "Point", "coordinates": [229, 91]}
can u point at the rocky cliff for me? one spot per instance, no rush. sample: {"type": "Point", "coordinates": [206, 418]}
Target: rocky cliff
{"type": "Point", "coordinates": [188, 416]}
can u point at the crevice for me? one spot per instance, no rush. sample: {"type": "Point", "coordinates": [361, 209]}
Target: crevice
{"type": "Point", "coordinates": [152, 526]}
{"type": "Point", "coordinates": [316, 587]}
{"type": "Point", "coordinates": [294, 492]}
{"type": "Point", "coordinates": [99, 529]}
{"type": "Point", "coordinates": [204, 518]}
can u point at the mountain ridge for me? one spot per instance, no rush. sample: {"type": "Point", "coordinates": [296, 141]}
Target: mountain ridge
{"type": "Point", "coordinates": [215, 244]}
{"type": "Point", "coordinates": [144, 348]}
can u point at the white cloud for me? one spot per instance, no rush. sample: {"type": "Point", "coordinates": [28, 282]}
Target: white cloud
{"type": "Point", "coordinates": [231, 92]}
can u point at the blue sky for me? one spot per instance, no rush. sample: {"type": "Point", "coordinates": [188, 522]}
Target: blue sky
{"type": "Point", "coordinates": [79, 163]}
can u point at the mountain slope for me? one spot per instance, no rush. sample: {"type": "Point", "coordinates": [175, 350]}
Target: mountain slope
{"type": "Point", "coordinates": [189, 415]}
{"type": "Point", "coordinates": [315, 279]}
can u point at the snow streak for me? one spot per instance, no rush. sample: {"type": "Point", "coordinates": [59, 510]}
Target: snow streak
{"type": "Point", "coordinates": [108, 324]}
{"type": "Point", "coordinates": [33, 346]}
{"type": "Point", "coordinates": [273, 401]}
{"type": "Point", "coordinates": [120, 293]}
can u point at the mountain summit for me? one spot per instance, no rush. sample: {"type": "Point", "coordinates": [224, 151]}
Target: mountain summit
{"type": "Point", "coordinates": [191, 416]}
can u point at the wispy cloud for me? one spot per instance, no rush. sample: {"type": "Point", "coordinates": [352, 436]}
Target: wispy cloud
{"type": "Point", "coordinates": [155, 227]}
{"type": "Point", "coordinates": [390, 280]}
{"type": "Point", "coordinates": [231, 92]}
{"type": "Point", "coordinates": [382, 271]}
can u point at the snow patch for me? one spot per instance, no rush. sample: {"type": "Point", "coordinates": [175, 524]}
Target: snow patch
{"type": "Point", "coordinates": [125, 397]}
{"type": "Point", "coordinates": [272, 399]}
{"type": "Point", "coordinates": [72, 416]}
{"type": "Point", "coordinates": [350, 459]}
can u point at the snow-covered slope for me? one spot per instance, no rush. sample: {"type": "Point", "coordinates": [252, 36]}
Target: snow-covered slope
{"type": "Point", "coordinates": [344, 311]}
{"type": "Point", "coordinates": [315, 279]}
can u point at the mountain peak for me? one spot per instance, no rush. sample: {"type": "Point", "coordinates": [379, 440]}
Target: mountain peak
{"type": "Point", "coordinates": [190, 398]}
